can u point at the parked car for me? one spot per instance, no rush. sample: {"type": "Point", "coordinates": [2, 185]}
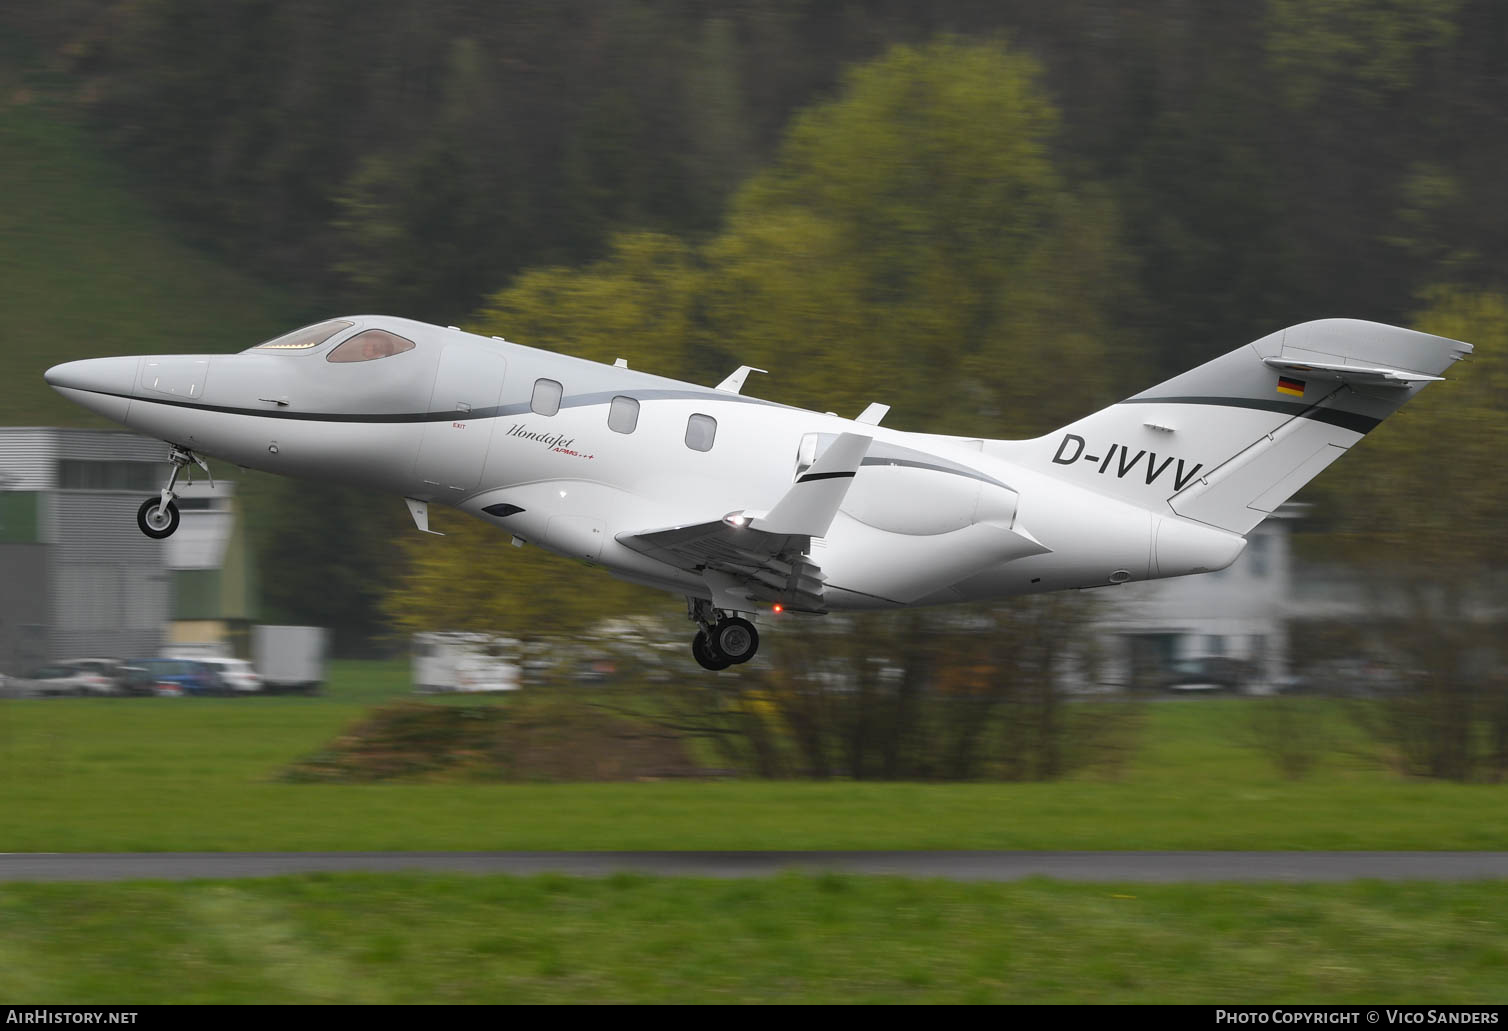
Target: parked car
{"type": "Point", "coordinates": [1210, 673]}
{"type": "Point", "coordinates": [173, 676]}
{"type": "Point", "coordinates": [236, 675]}
{"type": "Point", "coordinates": [62, 678]}
{"type": "Point", "coordinates": [113, 670]}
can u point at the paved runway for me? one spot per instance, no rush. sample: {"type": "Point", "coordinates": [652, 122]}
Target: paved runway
{"type": "Point", "coordinates": [1143, 867]}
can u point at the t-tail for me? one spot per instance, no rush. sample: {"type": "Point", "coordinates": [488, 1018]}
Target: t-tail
{"type": "Point", "coordinates": [1228, 442]}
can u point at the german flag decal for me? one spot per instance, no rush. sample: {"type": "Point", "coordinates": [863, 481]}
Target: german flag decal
{"type": "Point", "coordinates": [1290, 386]}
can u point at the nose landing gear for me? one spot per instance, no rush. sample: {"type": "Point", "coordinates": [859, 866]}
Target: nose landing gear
{"type": "Point", "coordinates": [724, 639]}
{"type": "Point", "coordinates": [158, 517]}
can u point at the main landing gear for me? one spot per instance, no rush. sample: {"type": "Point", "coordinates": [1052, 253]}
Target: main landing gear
{"type": "Point", "coordinates": [158, 517]}
{"type": "Point", "coordinates": [724, 639]}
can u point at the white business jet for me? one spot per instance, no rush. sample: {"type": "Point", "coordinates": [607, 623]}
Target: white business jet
{"type": "Point", "coordinates": [745, 505]}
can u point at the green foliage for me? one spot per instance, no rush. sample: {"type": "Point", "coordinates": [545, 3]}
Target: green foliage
{"type": "Point", "coordinates": [534, 737]}
{"type": "Point", "coordinates": [916, 231]}
{"type": "Point", "coordinates": [1421, 512]}
{"type": "Point", "coordinates": [329, 555]}
{"type": "Point", "coordinates": [913, 231]}
{"type": "Point", "coordinates": [639, 302]}
{"type": "Point", "coordinates": [1420, 492]}
{"type": "Point", "coordinates": [472, 579]}
{"type": "Point", "coordinates": [86, 269]}
{"type": "Point", "coordinates": [1372, 47]}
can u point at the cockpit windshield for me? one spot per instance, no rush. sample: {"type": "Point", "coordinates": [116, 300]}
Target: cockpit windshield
{"type": "Point", "coordinates": [368, 346]}
{"type": "Point", "coordinates": [303, 339]}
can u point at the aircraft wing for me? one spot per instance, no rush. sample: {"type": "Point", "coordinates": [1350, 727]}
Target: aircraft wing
{"type": "Point", "coordinates": [742, 565]}
{"type": "Point", "coordinates": [764, 557]}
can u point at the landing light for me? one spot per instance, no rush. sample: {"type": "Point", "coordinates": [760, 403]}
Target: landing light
{"type": "Point", "coordinates": [736, 519]}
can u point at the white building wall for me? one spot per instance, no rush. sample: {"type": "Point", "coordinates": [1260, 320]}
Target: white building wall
{"type": "Point", "coordinates": [28, 458]}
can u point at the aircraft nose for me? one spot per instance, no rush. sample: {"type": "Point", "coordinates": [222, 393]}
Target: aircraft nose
{"type": "Point", "coordinates": [96, 375]}
{"type": "Point", "coordinates": [102, 385]}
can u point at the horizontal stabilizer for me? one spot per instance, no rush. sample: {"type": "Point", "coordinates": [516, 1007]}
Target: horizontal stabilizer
{"type": "Point", "coordinates": [1360, 375]}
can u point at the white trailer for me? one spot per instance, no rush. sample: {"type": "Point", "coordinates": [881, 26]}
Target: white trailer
{"type": "Point", "coordinates": [290, 658]}
{"type": "Point", "coordinates": [449, 662]}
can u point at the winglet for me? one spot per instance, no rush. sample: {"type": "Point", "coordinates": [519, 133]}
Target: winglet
{"type": "Point", "coordinates": [735, 381]}
{"type": "Point", "coordinates": [809, 506]}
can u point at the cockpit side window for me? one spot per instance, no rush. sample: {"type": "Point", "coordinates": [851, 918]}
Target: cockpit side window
{"type": "Point", "coordinates": [303, 339]}
{"type": "Point", "coordinates": [371, 345]}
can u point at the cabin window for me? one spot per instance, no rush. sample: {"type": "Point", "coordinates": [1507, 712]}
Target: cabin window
{"type": "Point", "coordinates": [623, 415]}
{"type": "Point", "coordinates": [303, 339]}
{"type": "Point", "coordinates": [546, 399]}
{"type": "Point", "coordinates": [701, 431]}
{"type": "Point", "coordinates": [369, 346]}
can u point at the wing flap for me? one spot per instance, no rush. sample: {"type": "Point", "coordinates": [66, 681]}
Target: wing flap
{"type": "Point", "coordinates": [743, 567]}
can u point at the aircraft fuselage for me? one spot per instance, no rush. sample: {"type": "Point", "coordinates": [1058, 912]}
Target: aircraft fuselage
{"type": "Point", "coordinates": [928, 519]}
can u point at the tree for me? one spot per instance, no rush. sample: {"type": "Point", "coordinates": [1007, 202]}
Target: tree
{"type": "Point", "coordinates": [915, 230]}
{"type": "Point", "coordinates": [914, 242]}
{"type": "Point", "coordinates": [473, 579]}
{"type": "Point", "coordinates": [1421, 508]}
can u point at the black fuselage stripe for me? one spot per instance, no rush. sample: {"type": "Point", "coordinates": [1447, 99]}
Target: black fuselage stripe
{"type": "Point", "coordinates": [518, 408]}
{"type": "Point", "coordinates": [809, 477]}
{"type": "Point", "coordinates": [496, 412]}
{"type": "Point", "coordinates": [1353, 421]}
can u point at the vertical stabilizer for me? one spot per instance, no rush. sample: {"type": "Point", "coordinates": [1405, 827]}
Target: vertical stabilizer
{"type": "Point", "coordinates": [1228, 442]}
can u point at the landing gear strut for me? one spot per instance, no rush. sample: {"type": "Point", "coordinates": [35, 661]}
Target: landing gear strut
{"type": "Point", "coordinates": [724, 639]}
{"type": "Point", "coordinates": [158, 517]}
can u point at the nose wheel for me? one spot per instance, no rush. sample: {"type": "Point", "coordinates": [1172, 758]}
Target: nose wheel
{"type": "Point", "coordinates": [157, 520]}
{"type": "Point", "coordinates": [158, 517]}
{"type": "Point", "coordinates": [724, 639]}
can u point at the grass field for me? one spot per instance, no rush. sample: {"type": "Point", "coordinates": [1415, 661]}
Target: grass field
{"type": "Point", "coordinates": [829, 939]}
{"type": "Point", "coordinates": [204, 774]}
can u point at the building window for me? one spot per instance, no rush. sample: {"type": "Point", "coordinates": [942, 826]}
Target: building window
{"type": "Point", "coordinates": [76, 474]}
{"type": "Point", "coordinates": [623, 415]}
{"type": "Point", "coordinates": [546, 399]}
{"type": "Point", "coordinates": [701, 431]}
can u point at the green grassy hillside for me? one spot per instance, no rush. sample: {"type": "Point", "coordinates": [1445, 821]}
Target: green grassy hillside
{"type": "Point", "coordinates": [86, 269]}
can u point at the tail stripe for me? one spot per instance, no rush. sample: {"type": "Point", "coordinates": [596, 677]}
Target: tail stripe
{"type": "Point", "coordinates": [1335, 417]}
